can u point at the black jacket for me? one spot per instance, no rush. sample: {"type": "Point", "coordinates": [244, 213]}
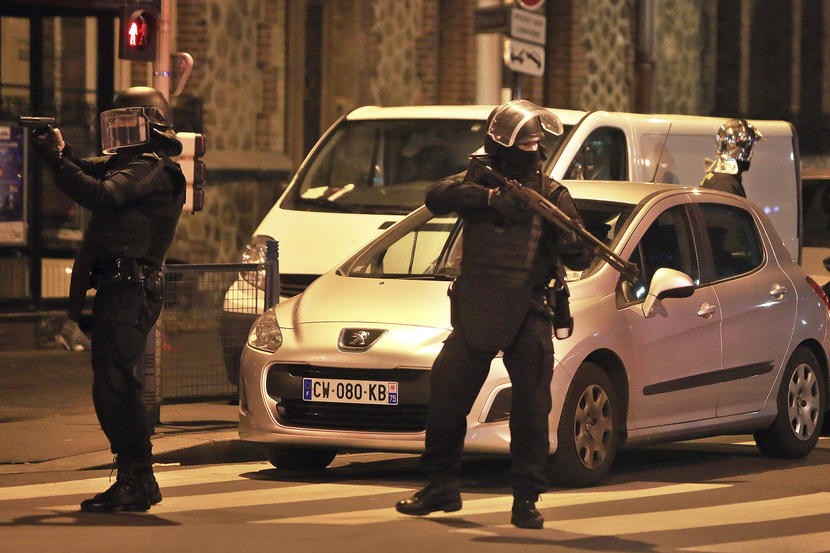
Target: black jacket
{"type": "Point", "coordinates": [135, 202]}
{"type": "Point", "coordinates": [724, 182]}
{"type": "Point", "coordinates": [504, 263]}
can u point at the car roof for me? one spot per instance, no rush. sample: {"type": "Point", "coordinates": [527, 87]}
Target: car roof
{"type": "Point", "coordinates": [620, 191]}
{"type": "Point", "coordinates": [472, 112]}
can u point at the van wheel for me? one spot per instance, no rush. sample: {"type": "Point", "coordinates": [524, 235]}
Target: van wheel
{"type": "Point", "coordinates": [589, 429]}
{"type": "Point", "coordinates": [802, 400]}
{"type": "Point", "coordinates": [296, 458]}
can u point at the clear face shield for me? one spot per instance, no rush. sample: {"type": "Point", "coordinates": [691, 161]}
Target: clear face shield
{"type": "Point", "coordinates": [122, 128]}
{"type": "Point", "coordinates": [521, 121]}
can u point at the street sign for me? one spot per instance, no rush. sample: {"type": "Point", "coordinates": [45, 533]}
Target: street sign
{"type": "Point", "coordinates": [528, 26]}
{"type": "Point", "coordinates": [524, 57]}
{"type": "Point", "coordinates": [491, 20]}
{"type": "Point", "coordinates": [534, 5]}
{"type": "Point", "coordinates": [181, 65]}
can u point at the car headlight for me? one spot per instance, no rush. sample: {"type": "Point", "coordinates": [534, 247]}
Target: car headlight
{"type": "Point", "coordinates": [265, 333]}
{"type": "Point", "coordinates": [254, 252]}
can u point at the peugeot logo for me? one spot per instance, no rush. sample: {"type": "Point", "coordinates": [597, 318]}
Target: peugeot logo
{"type": "Point", "coordinates": [358, 339]}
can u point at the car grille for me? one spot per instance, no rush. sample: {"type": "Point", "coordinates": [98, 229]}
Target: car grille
{"type": "Point", "coordinates": [284, 385]}
{"type": "Point", "coordinates": [344, 416]}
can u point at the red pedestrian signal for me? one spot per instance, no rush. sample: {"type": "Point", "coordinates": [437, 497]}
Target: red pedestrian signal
{"type": "Point", "coordinates": [138, 32]}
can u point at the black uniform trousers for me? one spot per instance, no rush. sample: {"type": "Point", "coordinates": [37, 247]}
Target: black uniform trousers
{"type": "Point", "coordinates": [457, 375]}
{"type": "Point", "coordinates": [123, 315]}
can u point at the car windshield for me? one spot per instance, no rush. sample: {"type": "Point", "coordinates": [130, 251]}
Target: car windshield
{"type": "Point", "coordinates": [384, 166]}
{"type": "Point", "coordinates": [432, 249]}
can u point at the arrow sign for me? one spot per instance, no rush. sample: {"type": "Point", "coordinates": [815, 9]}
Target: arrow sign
{"type": "Point", "coordinates": [524, 57]}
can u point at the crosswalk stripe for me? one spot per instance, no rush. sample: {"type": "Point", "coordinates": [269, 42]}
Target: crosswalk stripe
{"type": "Point", "coordinates": [699, 517]}
{"type": "Point", "coordinates": [502, 504]}
{"type": "Point", "coordinates": [818, 542]}
{"type": "Point", "coordinates": [253, 498]}
{"type": "Point", "coordinates": [181, 477]}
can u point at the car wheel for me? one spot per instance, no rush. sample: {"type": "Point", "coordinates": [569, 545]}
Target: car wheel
{"type": "Point", "coordinates": [295, 458]}
{"type": "Point", "coordinates": [802, 400]}
{"type": "Point", "coordinates": [589, 429]}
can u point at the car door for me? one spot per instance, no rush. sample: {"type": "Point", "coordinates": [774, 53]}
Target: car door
{"type": "Point", "coordinates": [677, 349]}
{"type": "Point", "coordinates": [757, 301]}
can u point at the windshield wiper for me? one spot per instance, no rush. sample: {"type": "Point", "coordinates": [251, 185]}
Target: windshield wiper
{"type": "Point", "coordinates": [322, 202]}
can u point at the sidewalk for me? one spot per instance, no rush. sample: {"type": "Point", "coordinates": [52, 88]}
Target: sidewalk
{"type": "Point", "coordinates": [48, 423]}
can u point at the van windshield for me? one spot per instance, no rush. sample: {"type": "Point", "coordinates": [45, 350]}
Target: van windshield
{"type": "Point", "coordinates": [384, 166]}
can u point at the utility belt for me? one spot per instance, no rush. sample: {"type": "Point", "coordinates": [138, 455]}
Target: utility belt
{"type": "Point", "coordinates": [126, 270]}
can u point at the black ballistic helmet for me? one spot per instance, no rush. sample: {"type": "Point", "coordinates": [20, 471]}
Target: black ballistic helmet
{"type": "Point", "coordinates": [138, 114]}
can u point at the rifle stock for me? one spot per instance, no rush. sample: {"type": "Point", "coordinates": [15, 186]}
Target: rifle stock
{"type": "Point", "coordinates": [556, 216]}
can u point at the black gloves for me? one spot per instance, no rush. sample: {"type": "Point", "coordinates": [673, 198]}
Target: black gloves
{"type": "Point", "coordinates": [48, 144]}
{"type": "Point", "coordinates": [509, 205]}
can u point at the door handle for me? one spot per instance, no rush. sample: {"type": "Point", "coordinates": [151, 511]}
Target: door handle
{"type": "Point", "coordinates": [777, 291]}
{"type": "Point", "coordinates": [706, 310]}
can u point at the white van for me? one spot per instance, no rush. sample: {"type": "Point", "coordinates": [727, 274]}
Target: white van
{"type": "Point", "coordinates": [373, 166]}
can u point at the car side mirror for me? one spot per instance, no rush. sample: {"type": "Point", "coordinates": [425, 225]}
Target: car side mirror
{"type": "Point", "coordinates": [666, 283]}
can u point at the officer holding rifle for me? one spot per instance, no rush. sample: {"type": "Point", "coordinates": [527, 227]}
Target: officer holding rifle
{"type": "Point", "coordinates": [500, 303]}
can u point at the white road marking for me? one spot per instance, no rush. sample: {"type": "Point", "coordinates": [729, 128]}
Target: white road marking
{"type": "Point", "coordinates": [501, 504]}
{"type": "Point", "coordinates": [745, 512]}
{"type": "Point", "coordinates": [182, 477]}
{"type": "Point", "coordinates": [803, 543]}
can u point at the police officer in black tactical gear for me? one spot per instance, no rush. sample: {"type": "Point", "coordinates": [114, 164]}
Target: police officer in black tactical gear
{"type": "Point", "coordinates": [135, 195]}
{"type": "Point", "coordinates": [734, 142]}
{"type": "Point", "coordinates": [509, 256]}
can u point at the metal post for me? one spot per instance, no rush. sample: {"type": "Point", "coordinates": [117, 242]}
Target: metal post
{"type": "Point", "coordinates": [272, 273]}
{"type": "Point", "coordinates": [149, 370]}
{"type": "Point", "coordinates": [161, 66]}
{"type": "Point", "coordinates": [517, 86]}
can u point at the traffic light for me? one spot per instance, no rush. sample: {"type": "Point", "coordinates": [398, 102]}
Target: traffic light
{"type": "Point", "coordinates": [138, 32]}
{"type": "Point", "coordinates": [193, 147]}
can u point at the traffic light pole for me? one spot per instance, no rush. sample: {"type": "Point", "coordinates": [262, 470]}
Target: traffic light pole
{"type": "Point", "coordinates": [161, 65]}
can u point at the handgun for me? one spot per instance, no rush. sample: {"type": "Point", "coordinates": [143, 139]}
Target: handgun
{"type": "Point", "coordinates": [36, 122]}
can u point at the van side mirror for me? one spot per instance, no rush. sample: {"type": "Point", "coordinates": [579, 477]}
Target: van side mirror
{"type": "Point", "coordinates": [666, 283]}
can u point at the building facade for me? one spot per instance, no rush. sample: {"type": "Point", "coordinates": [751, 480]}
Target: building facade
{"type": "Point", "coordinates": [271, 75]}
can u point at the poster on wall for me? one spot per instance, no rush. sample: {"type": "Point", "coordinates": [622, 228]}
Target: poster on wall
{"type": "Point", "coordinates": [12, 186]}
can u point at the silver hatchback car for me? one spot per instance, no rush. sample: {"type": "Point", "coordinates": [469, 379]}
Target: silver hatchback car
{"type": "Point", "coordinates": [722, 333]}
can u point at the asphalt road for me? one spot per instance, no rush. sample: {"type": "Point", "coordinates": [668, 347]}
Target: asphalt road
{"type": "Point", "coordinates": [717, 495]}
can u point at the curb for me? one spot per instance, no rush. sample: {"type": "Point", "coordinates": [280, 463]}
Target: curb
{"type": "Point", "coordinates": [208, 448]}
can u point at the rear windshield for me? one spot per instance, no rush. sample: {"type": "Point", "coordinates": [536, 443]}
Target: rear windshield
{"type": "Point", "coordinates": [385, 166]}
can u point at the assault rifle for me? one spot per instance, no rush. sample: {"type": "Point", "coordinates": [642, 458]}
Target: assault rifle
{"type": "Point", "coordinates": [541, 205]}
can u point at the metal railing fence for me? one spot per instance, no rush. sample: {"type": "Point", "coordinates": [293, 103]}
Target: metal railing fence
{"type": "Point", "coordinates": [187, 355]}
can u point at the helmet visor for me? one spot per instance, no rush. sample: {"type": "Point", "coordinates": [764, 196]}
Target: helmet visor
{"type": "Point", "coordinates": [510, 119]}
{"type": "Point", "coordinates": [123, 127]}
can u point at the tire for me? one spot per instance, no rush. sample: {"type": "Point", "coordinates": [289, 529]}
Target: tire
{"type": "Point", "coordinates": [802, 400]}
{"type": "Point", "coordinates": [589, 429]}
{"type": "Point", "coordinates": [299, 459]}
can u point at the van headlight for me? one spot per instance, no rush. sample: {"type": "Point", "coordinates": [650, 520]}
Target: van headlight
{"type": "Point", "coordinates": [254, 252]}
{"type": "Point", "coordinates": [265, 333]}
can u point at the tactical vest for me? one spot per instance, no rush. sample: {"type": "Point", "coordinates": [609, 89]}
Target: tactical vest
{"type": "Point", "coordinates": [508, 252]}
{"type": "Point", "coordinates": [145, 227]}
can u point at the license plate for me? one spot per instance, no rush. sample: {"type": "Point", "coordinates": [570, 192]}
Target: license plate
{"type": "Point", "coordinates": [366, 392]}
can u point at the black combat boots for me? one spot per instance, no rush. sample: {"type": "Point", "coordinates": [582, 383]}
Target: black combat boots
{"type": "Point", "coordinates": [135, 489]}
{"type": "Point", "coordinates": [435, 497]}
{"type": "Point", "coordinates": [525, 515]}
